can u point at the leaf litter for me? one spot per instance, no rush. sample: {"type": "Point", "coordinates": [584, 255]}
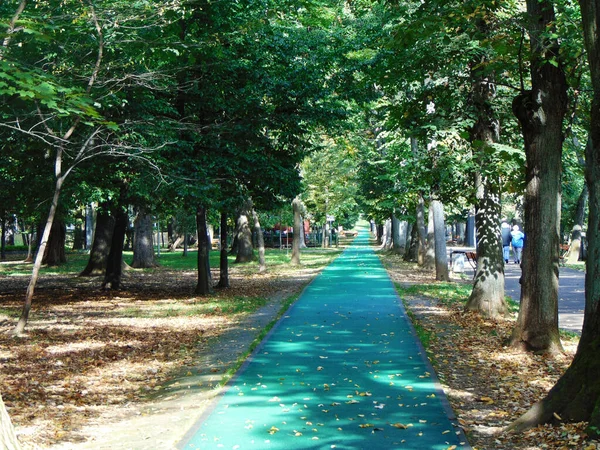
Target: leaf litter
{"type": "Point", "coordinates": [488, 385]}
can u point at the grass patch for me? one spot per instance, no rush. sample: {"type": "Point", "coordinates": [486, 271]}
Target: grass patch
{"type": "Point", "coordinates": [446, 293]}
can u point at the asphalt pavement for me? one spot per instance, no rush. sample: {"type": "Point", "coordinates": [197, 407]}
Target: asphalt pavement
{"type": "Point", "coordinates": [571, 294]}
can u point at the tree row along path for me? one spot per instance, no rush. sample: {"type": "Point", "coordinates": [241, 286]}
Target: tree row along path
{"type": "Point", "coordinates": [343, 369]}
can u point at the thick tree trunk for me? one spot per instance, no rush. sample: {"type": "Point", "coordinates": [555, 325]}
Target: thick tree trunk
{"type": "Point", "coordinates": [441, 259]}
{"type": "Point", "coordinates": [262, 265]}
{"type": "Point", "coordinates": [114, 261]}
{"type": "Point", "coordinates": [143, 247]}
{"type": "Point", "coordinates": [223, 261]}
{"type": "Point", "coordinates": [203, 287]}
{"type": "Point", "coordinates": [576, 395]}
{"type": "Point", "coordinates": [540, 113]}
{"type": "Point", "coordinates": [54, 254]}
{"type": "Point", "coordinates": [245, 250]}
{"type": "Point", "coordinates": [487, 296]}
{"type": "Point", "coordinates": [298, 231]}
{"type": "Point", "coordinates": [8, 439]}
{"type": "Point", "coordinates": [105, 224]}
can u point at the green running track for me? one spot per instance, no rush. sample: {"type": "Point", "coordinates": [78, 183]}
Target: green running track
{"type": "Point", "coordinates": [342, 369]}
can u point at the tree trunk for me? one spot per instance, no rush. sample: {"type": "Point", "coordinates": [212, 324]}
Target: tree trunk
{"type": "Point", "coordinates": [54, 255]}
{"type": "Point", "coordinates": [143, 247]}
{"type": "Point", "coordinates": [8, 439]}
{"type": "Point", "coordinates": [302, 235]}
{"type": "Point", "coordinates": [380, 230]}
{"type": "Point", "coordinates": [37, 264]}
{"type": "Point", "coordinates": [262, 265]}
{"type": "Point", "coordinates": [105, 224]}
{"type": "Point", "coordinates": [298, 231]}
{"type": "Point", "coordinates": [412, 249]}
{"type": "Point", "coordinates": [576, 395]}
{"type": "Point", "coordinates": [487, 296]}
{"type": "Point", "coordinates": [203, 287]}
{"type": "Point", "coordinates": [429, 261]}
{"type": "Point", "coordinates": [3, 239]}
{"type": "Point", "coordinates": [223, 261]}
{"type": "Point", "coordinates": [245, 250]}
{"type": "Point", "coordinates": [575, 247]}
{"type": "Point", "coordinates": [540, 113]}
{"type": "Point", "coordinates": [114, 260]}
{"type": "Point", "coordinates": [441, 259]}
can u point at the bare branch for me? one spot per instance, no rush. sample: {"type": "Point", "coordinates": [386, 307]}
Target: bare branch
{"type": "Point", "coordinates": [11, 26]}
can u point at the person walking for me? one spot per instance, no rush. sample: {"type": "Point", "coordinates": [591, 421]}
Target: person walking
{"type": "Point", "coordinates": [517, 240]}
{"type": "Point", "coordinates": [506, 238]}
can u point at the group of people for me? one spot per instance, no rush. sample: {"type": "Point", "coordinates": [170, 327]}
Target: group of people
{"type": "Point", "coordinates": [512, 237]}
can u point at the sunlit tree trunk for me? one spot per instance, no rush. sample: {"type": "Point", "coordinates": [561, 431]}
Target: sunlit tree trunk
{"type": "Point", "coordinates": [441, 259]}
{"type": "Point", "coordinates": [262, 265]}
{"type": "Point", "coordinates": [429, 261]}
{"type": "Point", "coordinates": [487, 296]}
{"type": "Point", "coordinates": [8, 439]}
{"type": "Point", "coordinates": [298, 231]}
{"type": "Point", "coordinates": [245, 249]}
{"type": "Point", "coordinates": [143, 247]}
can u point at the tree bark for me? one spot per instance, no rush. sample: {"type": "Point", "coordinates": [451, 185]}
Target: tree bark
{"type": "Point", "coordinates": [298, 231]}
{"type": "Point", "coordinates": [540, 112]}
{"type": "Point", "coordinates": [429, 261]}
{"type": "Point", "coordinates": [37, 264]}
{"type": "Point", "coordinates": [203, 287]}
{"type": "Point", "coordinates": [575, 247]}
{"type": "Point", "coordinates": [441, 259]}
{"type": "Point", "coordinates": [3, 239]}
{"type": "Point", "coordinates": [143, 247]}
{"type": "Point", "coordinates": [223, 261]}
{"type": "Point", "coordinates": [8, 439]}
{"type": "Point", "coordinates": [245, 250]}
{"type": "Point", "coordinates": [262, 265]}
{"type": "Point", "coordinates": [380, 232]}
{"type": "Point", "coordinates": [114, 261]}
{"type": "Point", "coordinates": [54, 255]}
{"type": "Point", "coordinates": [412, 248]}
{"type": "Point", "coordinates": [576, 395]}
{"type": "Point", "coordinates": [105, 225]}
{"type": "Point", "coordinates": [487, 296]}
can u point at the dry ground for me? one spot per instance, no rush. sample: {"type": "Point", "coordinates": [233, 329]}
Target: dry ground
{"type": "Point", "coordinates": [488, 384]}
{"type": "Point", "coordinates": [131, 369]}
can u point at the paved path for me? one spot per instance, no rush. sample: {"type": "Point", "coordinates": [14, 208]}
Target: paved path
{"type": "Point", "coordinates": [571, 294]}
{"type": "Point", "coordinates": [342, 370]}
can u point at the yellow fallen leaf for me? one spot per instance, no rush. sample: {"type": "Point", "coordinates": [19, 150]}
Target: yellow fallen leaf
{"type": "Point", "coordinates": [366, 425]}
{"type": "Point", "coordinates": [401, 425]}
{"type": "Point", "coordinates": [273, 430]}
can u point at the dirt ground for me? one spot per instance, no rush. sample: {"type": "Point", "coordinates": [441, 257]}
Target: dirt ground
{"type": "Point", "coordinates": [103, 370]}
{"type": "Point", "coordinates": [488, 384]}
{"type": "Point", "coordinates": [127, 370]}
